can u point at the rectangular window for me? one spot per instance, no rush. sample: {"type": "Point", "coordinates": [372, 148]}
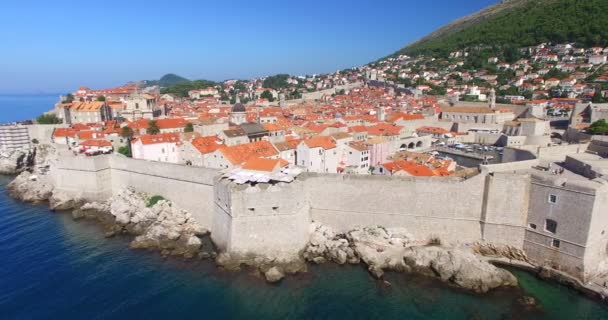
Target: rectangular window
{"type": "Point", "coordinates": [532, 226]}
{"type": "Point", "coordinates": [550, 226]}
{"type": "Point", "coordinates": [552, 198]}
{"type": "Point", "coordinates": [555, 243]}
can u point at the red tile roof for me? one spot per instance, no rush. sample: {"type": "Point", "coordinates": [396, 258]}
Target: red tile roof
{"type": "Point", "coordinates": [207, 144]}
{"type": "Point", "coordinates": [159, 138]}
{"type": "Point", "coordinates": [240, 153]}
{"type": "Point", "coordinates": [320, 142]}
{"type": "Point", "coordinates": [96, 143]}
{"type": "Point", "coordinates": [261, 164]}
{"type": "Point", "coordinates": [64, 132]}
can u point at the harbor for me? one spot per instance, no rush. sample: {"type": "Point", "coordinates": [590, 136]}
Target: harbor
{"type": "Point", "coordinates": [471, 155]}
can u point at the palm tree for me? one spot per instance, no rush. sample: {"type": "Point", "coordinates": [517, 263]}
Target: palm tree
{"type": "Point", "coordinates": [152, 128]}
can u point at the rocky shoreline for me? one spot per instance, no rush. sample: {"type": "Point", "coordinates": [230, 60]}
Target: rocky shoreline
{"type": "Point", "coordinates": [385, 249]}
{"type": "Point", "coordinates": [16, 161]}
{"type": "Point", "coordinates": [162, 226]}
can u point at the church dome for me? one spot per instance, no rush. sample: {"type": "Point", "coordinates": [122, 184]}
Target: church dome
{"type": "Point", "coordinates": [238, 107]}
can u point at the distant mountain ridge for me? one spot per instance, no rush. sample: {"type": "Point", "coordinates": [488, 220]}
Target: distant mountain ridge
{"type": "Point", "coordinates": [167, 80]}
{"type": "Point", "coordinates": [520, 23]}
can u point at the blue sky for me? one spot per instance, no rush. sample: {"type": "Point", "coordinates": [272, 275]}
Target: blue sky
{"type": "Point", "coordinates": [56, 46]}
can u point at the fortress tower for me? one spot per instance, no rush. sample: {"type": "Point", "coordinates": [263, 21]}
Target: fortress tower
{"type": "Point", "coordinates": [380, 113]}
{"type": "Point", "coordinates": [492, 99]}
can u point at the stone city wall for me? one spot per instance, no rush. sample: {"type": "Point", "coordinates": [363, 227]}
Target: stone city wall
{"type": "Point", "coordinates": [43, 132]}
{"type": "Point", "coordinates": [447, 208]}
{"type": "Point", "coordinates": [316, 95]}
{"type": "Point", "coordinates": [266, 218]}
{"type": "Point", "coordinates": [98, 178]}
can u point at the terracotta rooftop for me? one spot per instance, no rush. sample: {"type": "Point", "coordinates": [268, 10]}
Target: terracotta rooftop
{"type": "Point", "coordinates": [159, 138]}
{"type": "Point", "coordinates": [96, 143]}
{"type": "Point", "coordinates": [238, 154]}
{"type": "Point", "coordinates": [261, 164]}
{"type": "Point", "coordinates": [207, 144]}
{"type": "Point", "coordinates": [324, 142]}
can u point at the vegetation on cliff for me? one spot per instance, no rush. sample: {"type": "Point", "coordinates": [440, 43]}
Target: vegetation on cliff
{"type": "Point", "coordinates": [519, 24]}
{"type": "Point", "coordinates": [181, 89]}
{"type": "Point", "coordinates": [167, 80]}
{"type": "Point", "coordinates": [48, 118]}
{"type": "Point", "coordinates": [278, 81]}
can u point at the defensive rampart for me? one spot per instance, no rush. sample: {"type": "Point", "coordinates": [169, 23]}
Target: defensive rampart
{"type": "Point", "coordinates": [266, 218]}
{"type": "Point", "coordinates": [97, 178]}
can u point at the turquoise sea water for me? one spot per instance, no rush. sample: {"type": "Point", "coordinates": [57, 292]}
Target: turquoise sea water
{"type": "Point", "coordinates": [52, 267]}
{"type": "Point", "coordinates": [25, 107]}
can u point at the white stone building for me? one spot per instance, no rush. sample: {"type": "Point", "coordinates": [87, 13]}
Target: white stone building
{"type": "Point", "coordinates": [14, 137]}
{"type": "Point", "coordinates": [318, 154]}
{"type": "Point", "coordinates": [140, 106]}
{"type": "Point", "coordinates": [163, 147]}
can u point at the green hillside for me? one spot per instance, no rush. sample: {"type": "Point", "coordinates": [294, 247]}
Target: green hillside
{"type": "Point", "coordinates": [520, 23]}
{"type": "Point", "coordinates": [181, 88]}
{"type": "Point", "coordinates": [167, 80]}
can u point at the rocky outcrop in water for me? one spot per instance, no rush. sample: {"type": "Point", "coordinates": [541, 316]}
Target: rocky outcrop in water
{"type": "Point", "coordinates": [162, 226]}
{"type": "Point", "coordinates": [36, 184]}
{"type": "Point", "coordinates": [31, 187]}
{"type": "Point", "coordinates": [271, 268]}
{"type": "Point", "coordinates": [395, 250]}
{"type": "Point", "coordinates": [326, 245]}
{"type": "Point", "coordinates": [14, 161]}
{"type": "Point", "coordinates": [501, 251]}
{"type": "Point", "coordinates": [457, 266]}
{"type": "Point", "coordinates": [35, 160]}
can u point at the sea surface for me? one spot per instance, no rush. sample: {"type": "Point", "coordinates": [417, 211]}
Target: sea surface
{"type": "Point", "coordinates": [25, 107]}
{"type": "Point", "coordinates": [52, 267]}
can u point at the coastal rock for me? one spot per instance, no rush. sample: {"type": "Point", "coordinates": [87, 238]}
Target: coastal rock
{"type": "Point", "coordinates": [162, 227]}
{"type": "Point", "coordinates": [457, 266]}
{"type": "Point", "coordinates": [325, 245]}
{"type": "Point", "coordinates": [35, 160]}
{"type": "Point", "coordinates": [61, 202]}
{"type": "Point", "coordinates": [228, 262]}
{"type": "Point", "coordinates": [394, 249]}
{"type": "Point", "coordinates": [380, 247]}
{"type": "Point", "coordinates": [492, 250]}
{"type": "Point", "coordinates": [30, 187]}
{"type": "Point", "coordinates": [274, 275]}
{"type": "Point", "coordinates": [14, 161]}
{"type": "Point", "coordinates": [527, 301]}
{"type": "Point", "coordinates": [376, 271]}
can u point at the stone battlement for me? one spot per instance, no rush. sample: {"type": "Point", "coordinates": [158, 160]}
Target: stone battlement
{"type": "Point", "coordinates": [274, 219]}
